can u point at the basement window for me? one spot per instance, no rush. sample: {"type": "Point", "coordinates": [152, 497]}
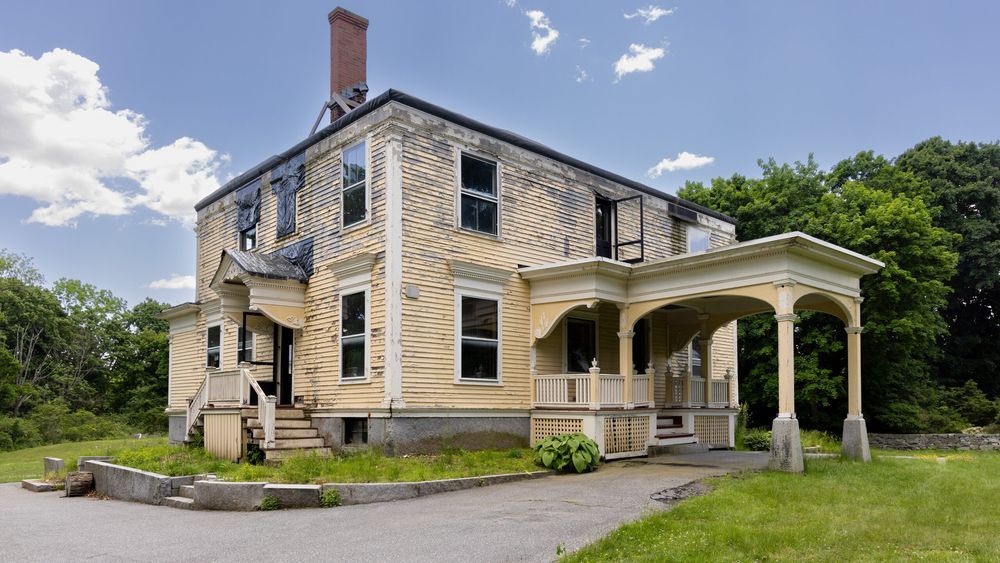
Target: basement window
{"type": "Point", "coordinates": [354, 194]}
{"type": "Point", "coordinates": [479, 198]}
{"type": "Point", "coordinates": [355, 431]}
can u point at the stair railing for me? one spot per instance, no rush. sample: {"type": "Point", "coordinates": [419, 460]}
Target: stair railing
{"type": "Point", "coordinates": [266, 405]}
{"type": "Point", "coordinates": [196, 403]}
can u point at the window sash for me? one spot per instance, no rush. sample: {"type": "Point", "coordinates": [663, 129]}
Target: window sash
{"type": "Point", "coordinates": [354, 219]}
{"type": "Point", "coordinates": [472, 348]}
{"type": "Point", "coordinates": [353, 179]}
{"type": "Point", "coordinates": [354, 345]}
{"type": "Point", "coordinates": [479, 198]}
{"type": "Point", "coordinates": [213, 354]}
{"type": "Point", "coordinates": [248, 238]}
{"type": "Point", "coordinates": [474, 220]}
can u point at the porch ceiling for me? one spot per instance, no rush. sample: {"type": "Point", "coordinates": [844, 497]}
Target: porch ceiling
{"type": "Point", "coordinates": [724, 283]}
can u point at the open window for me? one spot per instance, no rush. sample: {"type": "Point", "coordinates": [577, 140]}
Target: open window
{"type": "Point", "coordinates": [479, 197]}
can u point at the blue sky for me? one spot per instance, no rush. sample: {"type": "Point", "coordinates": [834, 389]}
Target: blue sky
{"type": "Point", "coordinates": [223, 85]}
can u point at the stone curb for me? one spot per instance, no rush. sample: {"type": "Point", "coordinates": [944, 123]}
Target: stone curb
{"type": "Point", "coordinates": [125, 483]}
{"type": "Point", "coordinates": [36, 486]}
{"type": "Point", "coordinates": [366, 493]}
{"type": "Point", "coordinates": [227, 495]}
{"type": "Point", "coordinates": [935, 441]}
{"type": "Point", "coordinates": [294, 496]}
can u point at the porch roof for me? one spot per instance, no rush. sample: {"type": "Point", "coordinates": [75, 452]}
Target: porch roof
{"type": "Point", "coordinates": [262, 283]}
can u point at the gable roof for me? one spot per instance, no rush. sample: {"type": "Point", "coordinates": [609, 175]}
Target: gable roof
{"type": "Point", "coordinates": [458, 119]}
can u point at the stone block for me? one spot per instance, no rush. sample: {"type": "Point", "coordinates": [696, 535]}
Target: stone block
{"type": "Point", "coordinates": [786, 446]}
{"type": "Point", "coordinates": [222, 495]}
{"type": "Point", "coordinates": [294, 496]}
{"type": "Point", "coordinates": [854, 443]}
{"type": "Point", "coordinates": [85, 458]}
{"type": "Point", "coordinates": [126, 483]}
{"type": "Point", "coordinates": [36, 485]}
{"type": "Point", "coordinates": [53, 465]}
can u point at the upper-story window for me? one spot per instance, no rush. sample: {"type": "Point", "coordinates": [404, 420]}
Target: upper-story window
{"type": "Point", "coordinates": [697, 239]}
{"type": "Point", "coordinates": [248, 238]}
{"type": "Point", "coordinates": [479, 205]}
{"type": "Point", "coordinates": [354, 194]}
{"type": "Point", "coordinates": [213, 358]}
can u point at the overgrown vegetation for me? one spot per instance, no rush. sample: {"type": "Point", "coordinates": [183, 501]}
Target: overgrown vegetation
{"type": "Point", "coordinates": [330, 498]}
{"type": "Point", "coordinates": [930, 317]}
{"type": "Point", "coordinates": [890, 509]}
{"type": "Point", "coordinates": [270, 502]}
{"type": "Point", "coordinates": [75, 362]}
{"type": "Point", "coordinates": [367, 466]}
{"type": "Point", "coordinates": [568, 452]}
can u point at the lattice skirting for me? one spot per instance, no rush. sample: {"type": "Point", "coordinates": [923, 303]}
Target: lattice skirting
{"type": "Point", "coordinates": [712, 430]}
{"type": "Point", "coordinates": [545, 427]}
{"type": "Point", "coordinates": [625, 434]}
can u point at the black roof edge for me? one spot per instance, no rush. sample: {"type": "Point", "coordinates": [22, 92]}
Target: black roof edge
{"type": "Point", "coordinates": [392, 95]}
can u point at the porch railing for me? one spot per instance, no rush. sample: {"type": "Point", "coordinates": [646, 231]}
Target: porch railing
{"type": "Point", "coordinates": [567, 389]}
{"type": "Point", "coordinates": [685, 390]}
{"type": "Point", "coordinates": [232, 389]}
{"type": "Point", "coordinates": [594, 390]}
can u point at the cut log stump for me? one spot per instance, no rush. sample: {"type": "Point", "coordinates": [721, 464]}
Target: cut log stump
{"type": "Point", "coordinates": [79, 483]}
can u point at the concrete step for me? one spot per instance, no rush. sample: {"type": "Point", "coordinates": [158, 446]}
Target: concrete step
{"type": "Point", "coordinates": [298, 443]}
{"type": "Point", "coordinates": [282, 412]}
{"type": "Point", "coordinates": [179, 502]}
{"type": "Point", "coordinates": [282, 423]}
{"type": "Point", "coordinates": [187, 491]}
{"type": "Point", "coordinates": [285, 433]}
{"type": "Point", "coordinates": [670, 439]}
{"type": "Point", "coordinates": [277, 455]}
{"type": "Point", "coordinates": [667, 425]}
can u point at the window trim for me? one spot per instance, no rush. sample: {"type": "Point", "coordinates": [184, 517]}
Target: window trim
{"type": "Point", "coordinates": [459, 191]}
{"type": "Point", "coordinates": [222, 342]}
{"type": "Point", "coordinates": [581, 316]}
{"type": "Point", "coordinates": [346, 291]}
{"type": "Point", "coordinates": [367, 185]}
{"type": "Point", "coordinates": [687, 238]}
{"type": "Point", "coordinates": [496, 296]}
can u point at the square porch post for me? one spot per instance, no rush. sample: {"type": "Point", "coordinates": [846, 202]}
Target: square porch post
{"type": "Point", "coordinates": [625, 354]}
{"type": "Point", "coordinates": [855, 437]}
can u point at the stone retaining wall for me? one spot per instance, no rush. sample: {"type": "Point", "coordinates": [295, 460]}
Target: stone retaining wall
{"type": "Point", "coordinates": [935, 441]}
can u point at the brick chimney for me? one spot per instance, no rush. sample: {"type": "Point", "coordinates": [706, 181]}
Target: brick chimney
{"type": "Point", "coordinates": [348, 54]}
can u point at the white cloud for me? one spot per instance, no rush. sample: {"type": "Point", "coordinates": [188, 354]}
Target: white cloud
{"type": "Point", "coordinates": [583, 41]}
{"type": "Point", "coordinates": [174, 282]}
{"type": "Point", "coordinates": [641, 60]}
{"type": "Point", "coordinates": [63, 146]}
{"type": "Point", "coordinates": [650, 14]}
{"type": "Point", "coordinates": [510, 3]}
{"type": "Point", "coordinates": [684, 161]}
{"type": "Point", "coordinates": [581, 75]}
{"type": "Point", "coordinates": [540, 22]}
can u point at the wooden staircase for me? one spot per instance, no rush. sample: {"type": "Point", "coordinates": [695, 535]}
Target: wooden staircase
{"type": "Point", "coordinates": [293, 433]}
{"type": "Point", "coordinates": [670, 431]}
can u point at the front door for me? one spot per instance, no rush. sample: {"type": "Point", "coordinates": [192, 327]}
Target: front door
{"type": "Point", "coordinates": [286, 364]}
{"type": "Point", "coordinates": [604, 211]}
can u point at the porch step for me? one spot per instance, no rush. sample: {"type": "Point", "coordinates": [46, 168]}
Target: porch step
{"type": "Point", "coordinates": [187, 491]}
{"type": "Point", "coordinates": [287, 412]}
{"type": "Point", "coordinates": [286, 433]}
{"type": "Point", "coordinates": [298, 443]}
{"type": "Point", "coordinates": [277, 455]}
{"type": "Point", "coordinates": [667, 425]}
{"type": "Point", "coordinates": [672, 439]}
{"type": "Point", "coordinates": [179, 502]}
{"type": "Point", "coordinates": [279, 423]}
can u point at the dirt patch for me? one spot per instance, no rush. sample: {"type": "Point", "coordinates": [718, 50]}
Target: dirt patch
{"type": "Point", "coordinates": [677, 494]}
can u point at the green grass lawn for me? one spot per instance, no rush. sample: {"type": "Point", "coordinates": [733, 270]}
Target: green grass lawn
{"type": "Point", "coordinates": [366, 466]}
{"type": "Point", "coordinates": [27, 463]}
{"type": "Point", "coordinates": [890, 509]}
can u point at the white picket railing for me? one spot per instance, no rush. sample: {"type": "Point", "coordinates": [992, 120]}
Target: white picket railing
{"type": "Point", "coordinates": [697, 391]}
{"type": "Point", "coordinates": [720, 393]}
{"type": "Point", "coordinates": [640, 388]}
{"type": "Point", "coordinates": [567, 389]}
{"type": "Point", "coordinates": [232, 389]}
{"type": "Point", "coordinates": [612, 390]}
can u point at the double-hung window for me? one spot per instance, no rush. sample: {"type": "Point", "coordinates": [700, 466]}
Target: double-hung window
{"type": "Point", "coordinates": [479, 339]}
{"type": "Point", "coordinates": [479, 205]}
{"type": "Point", "coordinates": [248, 238]}
{"type": "Point", "coordinates": [354, 335]}
{"type": "Point", "coordinates": [213, 358]}
{"type": "Point", "coordinates": [244, 348]}
{"type": "Point", "coordinates": [354, 190]}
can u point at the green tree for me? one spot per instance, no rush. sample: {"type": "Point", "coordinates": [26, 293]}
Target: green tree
{"type": "Point", "coordinates": [964, 185]}
{"type": "Point", "coordinates": [141, 361]}
{"type": "Point", "coordinates": [20, 267]}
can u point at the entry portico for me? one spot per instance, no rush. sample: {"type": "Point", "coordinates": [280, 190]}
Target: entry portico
{"type": "Point", "coordinates": [696, 294]}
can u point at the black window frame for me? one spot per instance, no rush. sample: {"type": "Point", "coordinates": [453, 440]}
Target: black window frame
{"type": "Point", "coordinates": [249, 234]}
{"type": "Point", "coordinates": [480, 197]}
{"type": "Point", "coordinates": [209, 347]}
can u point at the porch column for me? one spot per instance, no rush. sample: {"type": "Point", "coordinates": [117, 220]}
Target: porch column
{"type": "Point", "coordinates": [706, 367]}
{"type": "Point", "coordinates": [855, 438]}
{"type": "Point", "coordinates": [625, 354]}
{"type": "Point", "coordinates": [786, 443]}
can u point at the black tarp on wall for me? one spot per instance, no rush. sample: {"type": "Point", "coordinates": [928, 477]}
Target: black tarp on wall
{"type": "Point", "coordinates": [248, 205]}
{"type": "Point", "coordinates": [286, 180]}
{"type": "Point", "coordinates": [300, 254]}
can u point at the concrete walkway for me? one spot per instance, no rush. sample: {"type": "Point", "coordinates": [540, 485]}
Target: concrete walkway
{"type": "Point", "coordinates": [522, 521]}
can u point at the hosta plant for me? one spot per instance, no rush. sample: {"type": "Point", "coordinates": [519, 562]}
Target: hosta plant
{"type": "Point", "coordinates": [568, 452]}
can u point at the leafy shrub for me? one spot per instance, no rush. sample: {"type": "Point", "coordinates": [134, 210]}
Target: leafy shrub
{"type": "Point", "coordinates": [57, 423]}
{"type": "Point", "coordinates": [270, 502]}
{"type": "Point", "coordinates": [330, 498]}
{"type": "Point", "coordinates": [569, 451]}
{"type": "Point", "coordinates": [757, 440]}
{"type": "Point", "coordinates": [826, 442]}
{"type": "Point", "coordinates": [17, 433]}
{"type": "Point", "coordinates": [255, 455]}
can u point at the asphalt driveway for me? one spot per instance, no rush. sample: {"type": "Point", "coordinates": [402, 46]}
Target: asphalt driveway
{"type": "Point", "coordinates": [522, 521]}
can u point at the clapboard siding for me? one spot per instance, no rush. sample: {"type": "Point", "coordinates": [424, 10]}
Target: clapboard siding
{"type": "Point", "coordinates": [187, 367]}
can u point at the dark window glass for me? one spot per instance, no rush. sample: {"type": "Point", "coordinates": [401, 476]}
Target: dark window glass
{"type": "Point", "coordinates": [478, 205]}
{"type": "Point", "coordinates": [248, 238]}
{"type": "Point", "coordinates": [355, 430]}
{"type": "Point", "coordinates": [581, 345]}
{"type": "Point", "coordinates": [640, 346]}
{"type": "Point", "coordinates": [214, 357]}
{"type": "Point", "coordinates": [354, 187]}
{"type": "Point", "coordinates": [480, 342]}
{"type": "Point", "coordinates": [353, 334]}
{"type": "Point", "coordinates": [244, 348]}
{"type": "Point", "coordinates": [696, 357]}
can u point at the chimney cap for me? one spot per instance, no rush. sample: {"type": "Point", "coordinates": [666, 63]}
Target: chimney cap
{"type": "Point", "coordinates": [341, 14]}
